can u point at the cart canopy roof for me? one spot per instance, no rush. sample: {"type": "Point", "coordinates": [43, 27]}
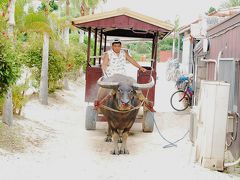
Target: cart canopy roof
{"type": "Point", "coordinates": [125, 23]}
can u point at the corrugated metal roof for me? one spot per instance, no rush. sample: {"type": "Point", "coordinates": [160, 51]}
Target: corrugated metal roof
{"type": "Point", "coordinates": [226, 23]}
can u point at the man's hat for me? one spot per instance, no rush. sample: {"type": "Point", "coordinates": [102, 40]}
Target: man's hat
{"type": "Point", "coordinates": [116, 40]}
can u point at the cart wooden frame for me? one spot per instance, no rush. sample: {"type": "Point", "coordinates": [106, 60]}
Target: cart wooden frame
{"type": "Point", "coordinates": [123, 23]}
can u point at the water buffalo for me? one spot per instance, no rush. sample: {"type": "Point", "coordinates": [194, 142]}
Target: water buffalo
{"type": "Point", "coordinates": [124, 99]}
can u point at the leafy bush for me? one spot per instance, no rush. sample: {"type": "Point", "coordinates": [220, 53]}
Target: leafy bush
{"type": "Point", "coordinates": [32, 57]}
{"type": "Point", "coordinates": [79, 58]}
{"type": "Point", "coordinates": [79, 52]}
{"type": "Point", "coordinates": [19, 97]}
{"type": "Point", "coordinates": [9, 65]}
{"type": "Point", "coordinates": [137, 50]}
{"type": "Point", "coordinates": [166, 44]}
{"type": "Point", "coordinates": [57, 68]}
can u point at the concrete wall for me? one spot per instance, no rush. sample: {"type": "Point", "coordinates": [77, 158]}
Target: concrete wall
{"type": "Point", "coordinates": [186, 54]}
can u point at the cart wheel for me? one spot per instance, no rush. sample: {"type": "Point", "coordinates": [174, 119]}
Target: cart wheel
{"type": "Point", "coordinates": [91, 117]}
{"type": "Point", "coordinates": [148, 121]}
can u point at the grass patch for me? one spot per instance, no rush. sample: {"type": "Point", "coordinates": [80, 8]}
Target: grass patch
{"type": "Point", "coordinates": [11, 138]}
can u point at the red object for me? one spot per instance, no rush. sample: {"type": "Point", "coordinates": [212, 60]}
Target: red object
{"type": "Point", "coordinates": [149, 106]}
{"type": "Point", "coordinates": [165, 55]}
{"type": "Point", "coordinates": [69, 66]}
{"type": "Point", "coordinates": [92, 75]}
{"type": "Point", "coordinates": [122, 22]}
{"type": "Point", "coordinates": [98, 103]}
{"type": "Point", "coordinates": [145, 77]}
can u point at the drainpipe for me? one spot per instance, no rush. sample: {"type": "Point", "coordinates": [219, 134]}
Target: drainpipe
{"type": "Point", "coordinates": [229, 164]}
{"type": "Point", "coordinates": [215, 67]}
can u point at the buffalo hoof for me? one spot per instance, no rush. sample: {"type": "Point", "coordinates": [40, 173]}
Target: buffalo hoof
{"type": "Point", "coordinates": [115, 152]}
{"type": "Point", "coordinates": [108, 139]}
{"type": "Point", "coordinates": [124, 151]}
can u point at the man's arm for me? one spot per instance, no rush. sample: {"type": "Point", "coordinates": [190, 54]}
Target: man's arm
{"type": "Point", "coordinates": [105, 61]}
{"type": "Point", "coordinates": [133, 62]}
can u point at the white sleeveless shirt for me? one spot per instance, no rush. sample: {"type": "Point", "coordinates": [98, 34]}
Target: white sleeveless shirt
{"type": "Point", "coordinates": [116, 63]}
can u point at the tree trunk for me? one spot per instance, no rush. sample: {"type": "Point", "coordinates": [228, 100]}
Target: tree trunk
{"type": "Point", "coordinates": [66, 35]}
{"type": "Point", "coordinates": [11, 20]}
{"type": "Point", "coordinates": [8, 105]}
{"type": "Point", "coordinates": [66, 40]}
{"type": "Point", "coordinates": [66, 29]}
{"type": "Point", "coordinates": [65, 83]}
{"type": "Point", "coordinates": [43, 95]}
{"type": "Point", "coordinates": [81, 36]}
{"type": "Point", "coordinates": [173, 47]}
{"type": "Point", "coordinates": [8, 109]}
{"type": "Point", "coordinates": [178, 54]}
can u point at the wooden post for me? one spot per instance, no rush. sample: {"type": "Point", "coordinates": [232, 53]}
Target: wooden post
{"type": "Point", "coordinates": [100, 48]}
{"type": "Point", "coordinates": [95, 46]}
{"type": "Point", "coordinates": [89, 46]}
{"type": "Point", "coordinates": [155, 52]}
{"type": "Point", "coordinates": [153, 47]}
{"type": "Point", "coordinates": [105, 43]}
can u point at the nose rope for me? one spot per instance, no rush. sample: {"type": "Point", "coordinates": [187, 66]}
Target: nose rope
{"type": "Point", "coordinates": [122, 111]}
{"type": "Point", "coordinates": [143, 101]}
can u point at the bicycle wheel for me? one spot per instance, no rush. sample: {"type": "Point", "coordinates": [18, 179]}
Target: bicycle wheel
{"type": "Point", "coordinates": [180, 100]}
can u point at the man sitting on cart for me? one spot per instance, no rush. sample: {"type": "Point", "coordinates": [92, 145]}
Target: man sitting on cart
{"type": "Point", "coordinates": [114, 60]}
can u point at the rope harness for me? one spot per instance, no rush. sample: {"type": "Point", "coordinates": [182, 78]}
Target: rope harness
{"type": "Point", "coordinates": [143, 102]}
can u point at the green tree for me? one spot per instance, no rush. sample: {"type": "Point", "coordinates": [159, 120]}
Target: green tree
{"type": "Point", "coordinates": [9, 66]}
{"type": "Point", "coordinates": [210, 10]}
{"type": "Point", "coordinates": [40, 22]}
{"type": "Point", "coordinates": [231, 3]}
{"type": "Point", "coordinates": [9, 70]}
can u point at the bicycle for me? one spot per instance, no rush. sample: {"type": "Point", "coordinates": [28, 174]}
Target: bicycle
{"type": "Point", "coordinates": [182, 99]}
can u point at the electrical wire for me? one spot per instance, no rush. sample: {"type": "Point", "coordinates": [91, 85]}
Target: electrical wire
{"type": "Point", "coordinates": [171, 144]}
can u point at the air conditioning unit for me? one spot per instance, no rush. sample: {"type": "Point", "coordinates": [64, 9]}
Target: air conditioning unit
{"type": "Point", "coordinates": [212, 124]}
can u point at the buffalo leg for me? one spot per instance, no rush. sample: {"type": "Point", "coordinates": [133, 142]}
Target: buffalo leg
{"type": "Point", "coordinates": [109, 135]}
{"type": "Point", "coordinates": [123, 149]}
{"type": "Point", "coordinates": [115, 138]}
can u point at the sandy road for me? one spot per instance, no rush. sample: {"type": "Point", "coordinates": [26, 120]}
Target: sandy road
{"type": "Point", "coordinates": [71, 152]}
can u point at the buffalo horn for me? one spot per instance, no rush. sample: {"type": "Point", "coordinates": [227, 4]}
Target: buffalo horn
{"type": "Point", "coordinates": [107, 85]}
{"type": "Point", "coordinates": [144, 86]}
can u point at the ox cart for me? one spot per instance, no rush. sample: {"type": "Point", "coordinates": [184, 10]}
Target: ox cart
{"type": "Point", "coordinates": [122, 23]}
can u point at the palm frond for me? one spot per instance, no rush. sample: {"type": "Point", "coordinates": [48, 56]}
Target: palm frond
{"type": "Point", "coordinates": [38, 22]}
{"type": "Point", "coordinates": [19, 12]}
{"type": "Point", "coordinates": [3, 23]}
{"type": "Point", "coordinates": [36, 17]}
{"type": "Point", "coordinates": [3, 7]}
{"type": "Point", "coordinates": [3, 4]}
